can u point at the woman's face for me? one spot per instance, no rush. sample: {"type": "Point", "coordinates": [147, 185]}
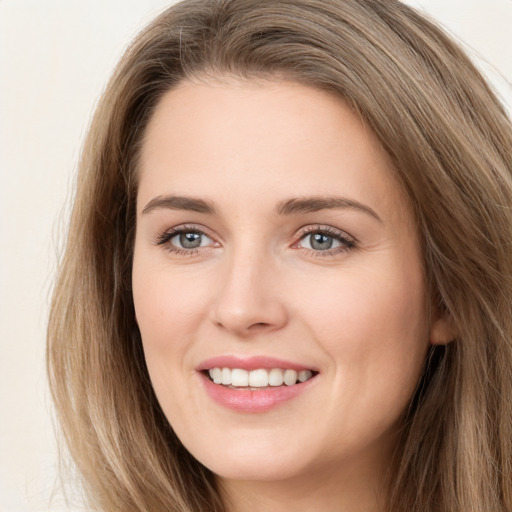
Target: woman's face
{"type": "Point", "coordinates": [274, 243]}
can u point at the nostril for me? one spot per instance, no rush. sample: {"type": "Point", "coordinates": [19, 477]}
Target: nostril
{"type": "Point", "coordinates": [258, 325]}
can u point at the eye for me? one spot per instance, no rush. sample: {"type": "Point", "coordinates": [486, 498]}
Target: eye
{"type": "Point", "coordinates": [190, 240]}
{"type": "Point", "coordinates": [325, 240]}
{"type": "Point", "coordinates": [320, 242]}
{"type": "Point", "coordinates": [184, 240]}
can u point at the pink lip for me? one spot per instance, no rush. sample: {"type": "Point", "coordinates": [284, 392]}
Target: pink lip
{"type": "Point", "coordinates": [250, 363]}
{"type": "Point", "coordinates": [248, 400]}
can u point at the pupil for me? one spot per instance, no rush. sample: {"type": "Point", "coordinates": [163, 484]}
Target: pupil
{"type": "Point", "coordinates": [321, 242]}
{"type": "Point", "coordinates": [190, 240]}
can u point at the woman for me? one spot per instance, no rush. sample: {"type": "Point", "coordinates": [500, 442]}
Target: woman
{"type": "Point", "coordinates": [288, 275]}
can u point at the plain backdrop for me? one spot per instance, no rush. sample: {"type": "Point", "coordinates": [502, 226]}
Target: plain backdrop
{"type": "Point", "coordinates": [55, 58]}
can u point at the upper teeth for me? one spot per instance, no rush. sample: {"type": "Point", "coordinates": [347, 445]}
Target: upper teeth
{"type": "Point", "coordinates": [258, 378]}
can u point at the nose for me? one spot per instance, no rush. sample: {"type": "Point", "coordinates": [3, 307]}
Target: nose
{"type": "Point", "coordinates": [250, 299]}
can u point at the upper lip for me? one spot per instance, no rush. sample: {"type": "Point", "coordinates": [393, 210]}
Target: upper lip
{"type": "Point", "coordinates": [250, 363]}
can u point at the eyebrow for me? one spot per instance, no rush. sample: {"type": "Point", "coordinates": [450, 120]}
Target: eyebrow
{"type": "Point", "coordinates": [289, 207]}
{"type": "Point", "coordinates": [192, 204]}
{"type": "Point", "coordinates": [315, 204]}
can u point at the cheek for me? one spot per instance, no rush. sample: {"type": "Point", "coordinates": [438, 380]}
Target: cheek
{"type": "Point", "coordinates": [166, 319]}
{"type": "Point", "coordinates": [167, 308]}
{"type": "Point", "coordinates": [374, 327]}
{"type": "Point", "coordinates": [357, 301]}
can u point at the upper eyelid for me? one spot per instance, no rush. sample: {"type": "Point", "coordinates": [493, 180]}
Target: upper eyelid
{"type": "Point", "coordinates": [331, 230]}
{"type": "Point", "coordinates": [167, 234]}
{"type": "Point", "coordinates": [180, 228]}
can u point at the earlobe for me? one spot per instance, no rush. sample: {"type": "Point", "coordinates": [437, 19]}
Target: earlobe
{"type": "Point", "coordinates": [442, 330]}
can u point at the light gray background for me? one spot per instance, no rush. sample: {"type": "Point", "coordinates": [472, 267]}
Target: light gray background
{"type": "Point", "coordinates": [55, 57]}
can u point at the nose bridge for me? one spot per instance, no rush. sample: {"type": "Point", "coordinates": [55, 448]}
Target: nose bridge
{"type": "Point", "coordinates": [248, 299]}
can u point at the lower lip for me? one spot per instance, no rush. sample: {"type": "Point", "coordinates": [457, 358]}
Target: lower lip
{"type": "Point", "coordinates": [253, 401]}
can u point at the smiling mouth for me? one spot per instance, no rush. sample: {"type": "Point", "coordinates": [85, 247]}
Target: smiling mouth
{"type": "Point", "coordinates": [237, 378]}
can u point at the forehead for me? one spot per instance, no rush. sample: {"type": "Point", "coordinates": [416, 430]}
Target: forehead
{"type": "Point", "coordinates": [260, 140]}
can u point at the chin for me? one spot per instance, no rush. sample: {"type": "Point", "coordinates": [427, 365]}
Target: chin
{"type": "Point", "coordinates": [251, 460]}
{"type": "Point", "coordinates": [260, 470]}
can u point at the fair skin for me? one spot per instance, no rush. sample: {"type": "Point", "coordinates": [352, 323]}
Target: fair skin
{"type": "Point", "coordinates": [269, 225]}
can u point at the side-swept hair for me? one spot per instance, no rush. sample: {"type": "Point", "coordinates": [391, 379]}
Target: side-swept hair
{"type": "Point", "coordinates": [451, 144]}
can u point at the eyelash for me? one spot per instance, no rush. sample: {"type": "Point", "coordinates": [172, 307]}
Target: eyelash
{"type": "Point", "coordinates": [164, 239]}
{"type": "Point", "coordinates": [346, 241]}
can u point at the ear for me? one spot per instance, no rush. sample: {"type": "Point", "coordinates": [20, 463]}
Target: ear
{"type": "Point", "coordinates": [442, 330]}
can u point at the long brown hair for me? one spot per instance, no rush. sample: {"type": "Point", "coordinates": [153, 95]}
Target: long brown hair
{"type": "Point", "coordinates": [451, 144]}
